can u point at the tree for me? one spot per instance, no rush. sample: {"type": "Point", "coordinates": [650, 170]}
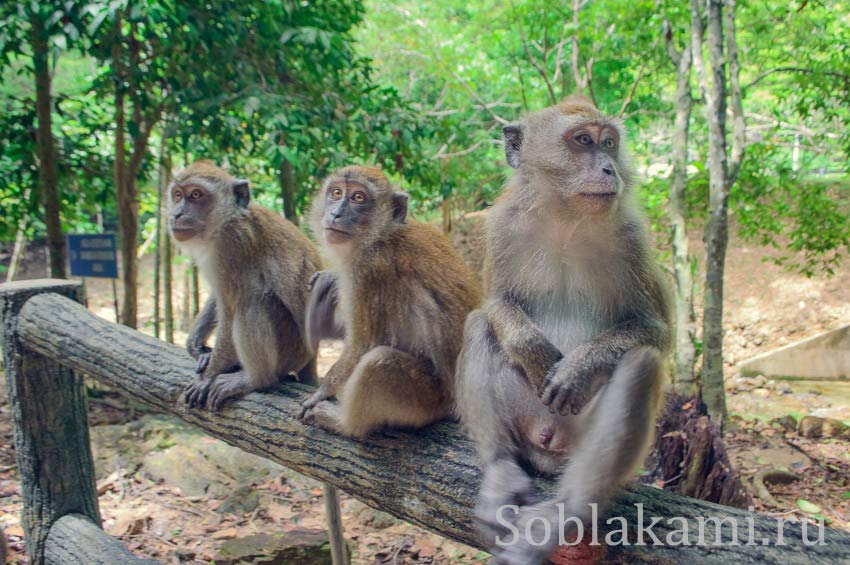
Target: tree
{"type": "Point", "coordinates": [723, 171]}
{"type": "Point", "coordinates": [36, 25]}
{"type": "Point", "coordinates": [685, 354]}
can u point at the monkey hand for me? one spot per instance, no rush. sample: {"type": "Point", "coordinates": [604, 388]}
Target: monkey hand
{"type": "Point", "coordinates": [322, 279]}
{"type": "Point", "coordinates": [567, 389]}
{"type": "Point", "coordinates": [203, 360]}
{"type": "Point", "coordinates": [195, 346]}
{"type": "Point", "coordinates": [322, 393]}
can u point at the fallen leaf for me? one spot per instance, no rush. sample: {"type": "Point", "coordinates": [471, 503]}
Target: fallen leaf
{"type": "Point", "coordinates": [226, 533]}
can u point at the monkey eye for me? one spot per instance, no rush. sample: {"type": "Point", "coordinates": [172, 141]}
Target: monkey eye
{"type": "Point", "coordinates": [195, 194]}
{"type": "Point", "coordinates": [359, 197]}
{"type": "Point", "coordinates": [178, 196]}
{"type": "Point", "coordinates": [584, 139]}
{"type": "Point", "coordinates": [336, 193]}
{"type": "Point", "coordinates": [608, 143]}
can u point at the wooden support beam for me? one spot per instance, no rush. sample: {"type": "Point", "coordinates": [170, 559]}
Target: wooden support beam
{"type": "Point", "coordinates": [48, 406]}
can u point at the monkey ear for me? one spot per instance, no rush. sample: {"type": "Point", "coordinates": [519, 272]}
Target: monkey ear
{"type": "Point", "coordinates": [242, 192]}
{"type": "Point", "coordinates": [399, 207]}
{"type": "Point", "coordinates": [513, 142]}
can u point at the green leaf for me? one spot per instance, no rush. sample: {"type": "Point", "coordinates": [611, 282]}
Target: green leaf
{"type": "Point", "coordinates": [807, 507]}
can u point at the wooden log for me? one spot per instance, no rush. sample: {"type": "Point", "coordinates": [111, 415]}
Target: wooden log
{"type": "Point", "coordinates": [429, 478]}
{"type": "Point", "coordinates": [76, 540]}
{"type": "Point", "coordinates": [48, 407]}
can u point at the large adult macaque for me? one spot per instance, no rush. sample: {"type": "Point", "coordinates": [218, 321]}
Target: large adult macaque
{"type": "Point", "coordinates": [561, 371]}
{"type": "Point", "coordinates": [257, 266]}
{"type": "Point", "coordinates": [403, 294]}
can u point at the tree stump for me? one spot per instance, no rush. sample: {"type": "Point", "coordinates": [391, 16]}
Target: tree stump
{"type": "Point", "coordinates": [690, 458]}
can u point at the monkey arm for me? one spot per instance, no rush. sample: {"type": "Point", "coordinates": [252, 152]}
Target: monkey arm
{"type": "Point", "coordinates": [322, 321]}
{"type": "Point", "coordinates": [203, 326]}
{"type": "Point", "coordinates": [576, 378]}
{"type": "Point", "coordinates": [522, 340]}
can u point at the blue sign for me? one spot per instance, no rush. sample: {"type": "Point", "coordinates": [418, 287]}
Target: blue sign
{"type": "Point", "coordinates": [93, 255]}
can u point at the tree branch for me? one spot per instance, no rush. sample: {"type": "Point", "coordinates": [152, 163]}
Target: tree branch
{"type": "Point", "coordinates": [767, 73]}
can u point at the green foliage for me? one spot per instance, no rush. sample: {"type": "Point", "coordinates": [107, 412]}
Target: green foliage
{"type": "Point", "coordinates": [775, 206]}
{"type": "Point", "coordinates": [422, 90]}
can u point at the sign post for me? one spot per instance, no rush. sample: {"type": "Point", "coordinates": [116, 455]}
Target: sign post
{"type": "Point", "coordinates": [94, 255]}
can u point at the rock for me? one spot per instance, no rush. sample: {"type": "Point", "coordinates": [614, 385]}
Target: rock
{"type": "Point", "coordinates": [815, 427]}
{"type": "Point", "coordinates": [183, 554]}
{"type": "Point", "coordinates": [179, 455]}
{"type": "Point", "coordinates": [761, 392]}
{"type": "Point", "coordinates": [759, 381]}
{"type": "Point", "coordinates": [373, 518]}
{"type": "Point", "coordinates": [787, 423]}
{"type": "Point", "coordinates": [784, 388]}
{"type": "Point", "coordinates": [241, 501]}
{"type": "Point", "coordinates": [296, 547]}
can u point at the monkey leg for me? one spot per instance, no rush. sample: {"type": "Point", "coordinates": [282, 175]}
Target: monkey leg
{"type": "Point", "coordinates": [309, 374]}
{"type": "Point", "coordinates": [222, 359]}
{"type": "Point", "coordinates": [389, 387]}
{"type": "Point", "coordinates": [228, 385]}
{"type": "Point", "coordinates": [618, 431]}
{"type": "Point", "coordinates": [268, 345]}
{"type": "Point", "coordinates": [485, 379]}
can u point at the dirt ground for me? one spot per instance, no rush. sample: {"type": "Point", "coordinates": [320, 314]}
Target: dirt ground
{"type": "Point", "coordinates": [766, 307]}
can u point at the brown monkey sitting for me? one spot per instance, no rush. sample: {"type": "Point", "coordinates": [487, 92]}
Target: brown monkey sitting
{"type": "Point", "coordinates": [561, 371]}
{"type": "Point", "coordinates": [257, 265]}
{"type": "Point", "coordinates": [404, 293]}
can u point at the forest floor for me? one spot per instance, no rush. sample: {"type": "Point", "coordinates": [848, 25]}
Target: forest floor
{"type": "Point", "coordinates": [186, 517]}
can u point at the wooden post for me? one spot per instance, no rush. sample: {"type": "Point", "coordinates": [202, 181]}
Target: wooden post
{"type": "Point", "coordinates": [339, 553]}
{"type": "Point", "coordinates": [48, 408]}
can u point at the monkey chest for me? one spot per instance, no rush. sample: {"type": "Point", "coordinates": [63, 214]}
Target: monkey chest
{"type": "Point", "coordinates": [568, 325]}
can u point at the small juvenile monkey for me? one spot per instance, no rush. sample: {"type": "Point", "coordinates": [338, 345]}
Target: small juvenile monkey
{"type": "Point", "coordinates": [403, 295]}
{"type": "Point", "coordinates": [257, 265]}
{"type": "Point", "coordinates": [561, 371]}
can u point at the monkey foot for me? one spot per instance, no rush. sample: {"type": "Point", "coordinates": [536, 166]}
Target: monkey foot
{"type": "Point", "coordinates": [536, 524]}
{"type": "Point", "coordinates": [325, 414]}
{"type": "Point", "coordinates": [322, 393]}
{"type": "Point", "coordinates": [226, 386]}
{"type": "Point", "coordinates": [195, 395]}
{"type": "Point", "coordinates": [506, 488]}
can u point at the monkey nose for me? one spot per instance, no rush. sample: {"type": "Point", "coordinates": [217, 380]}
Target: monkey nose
{"type": "Point", "coordinates": [608, 170]}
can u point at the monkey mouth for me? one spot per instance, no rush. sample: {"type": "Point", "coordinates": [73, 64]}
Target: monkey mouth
{"type": "Point", "coordinates": [336, 235]}
{"type": "Point", "coordinates": [183, 233]}
{"type": "Point", "coordinates": [599, 195]}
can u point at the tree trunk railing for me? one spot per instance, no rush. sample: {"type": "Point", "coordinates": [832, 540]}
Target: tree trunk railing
{"type": "Point", "coordinates": [429, 478]}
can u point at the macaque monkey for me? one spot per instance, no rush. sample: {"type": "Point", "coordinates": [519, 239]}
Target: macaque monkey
{"type": "Point", "coordinates": [403, 295]}
{"type": "Point", "coordinates": [561, 370]}
{"type": "Point", "coordinates": [257, 266]}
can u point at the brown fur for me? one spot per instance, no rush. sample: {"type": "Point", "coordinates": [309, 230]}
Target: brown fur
{"type": "Point", "coordinates": [405, 293]}
{"type": "Point", "coordinates": [257, 265]}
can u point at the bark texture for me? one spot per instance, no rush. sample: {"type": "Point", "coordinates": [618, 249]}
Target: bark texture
{"type": "Point", "coordinates": [683, 378]}
{"type": "Point", "coordinates": [75, 540]}
{"type": "Point", "coordinates": [429, 478]}
{"type": "Point", "coordinates": [48, 407]}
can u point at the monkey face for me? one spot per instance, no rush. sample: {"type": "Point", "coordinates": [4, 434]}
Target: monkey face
{"type": "Point", "coordinates": [575, 150]}
{"type": "Point", "coordinates": [357, 204]}
{"type": "Point", "coordinates": [349, 207]}
{"type": "Point", "coordinates": [201, 198]}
